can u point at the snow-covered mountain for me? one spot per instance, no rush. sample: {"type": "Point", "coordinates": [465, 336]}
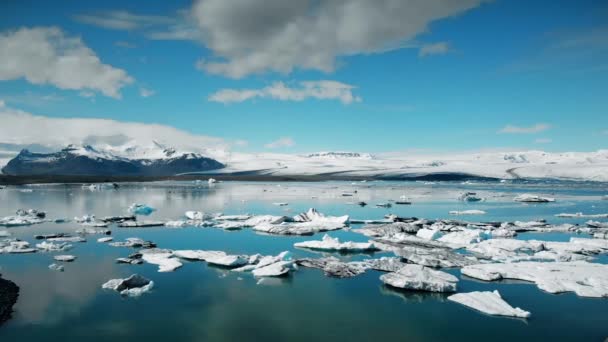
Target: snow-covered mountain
{"type": "Point", "coordinates": [127, 160]}
{"type": "Point", "coordinates": [503, 165]}
{"type": "Point", "coordinates": [155, 159]}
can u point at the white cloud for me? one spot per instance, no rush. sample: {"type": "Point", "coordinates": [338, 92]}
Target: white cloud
{"type": "Point", "coordinates": [122, 20]}
{"type": "Point", "coordinates": [321, 90]}
{"type": "Point", "coordinates": [439, 48]}
{"type": "Point", "coordinates": [143, 92]}
{"type": "Point", "coordinates": [283, 35]}
{"type": "Point", "coordinates": [246, 37]}
{"type": "Point", "coordinates": [46, 55]}
{"type": "Point", "coordinates": [537, 128]}
{"type": "Point", "coordinates": [281, 142]}
{"type": "Point", "coordinates": [543, 141]}
{"type": "Point", "coordinates": [20, 128]}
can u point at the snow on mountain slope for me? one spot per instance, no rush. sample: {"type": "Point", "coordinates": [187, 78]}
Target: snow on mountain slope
{"type": "Point", "coordinates": [505, 165]}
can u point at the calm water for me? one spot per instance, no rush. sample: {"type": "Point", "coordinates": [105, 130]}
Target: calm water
{"type": "Point", "coordinates": [203, 303]}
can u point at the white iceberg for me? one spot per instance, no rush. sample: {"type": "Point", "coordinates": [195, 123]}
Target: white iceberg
{"type": "Point", "coordinates": [105, 239]}
{"type": "Point", "coordinates": [197, 215]}
{"type": "Point", "coordinates": [56, 267]}
{"type": "Point", "coordinates": [488, 302]}
{"type": "Point", "coordinates": [133, 286]}
{"type": "Point", "coordinates": [464, 237]}
{"type": "Point", "coordinates": [584, 278]}
{"type": "Point", "coordinates": [429, 234]}
{"type": "Point", "coordinates": [467, 212]}
{"type": "Point", "coordinates": [533, 198]}
{"type": "Point", "coordinates": [420, 278]}
{"type": "Point", "coordinates": [312, 215]}
{"type": "Point", "coordinates": [163, 258]}
{"type": "Point", "coordinates": [333, 244]}
{"type": "Point", "coordinates": [65, 258]}
{"type": "Point", "coordinates": [141, 209]}
{"type": "Point", "coordinates": [53, 247]}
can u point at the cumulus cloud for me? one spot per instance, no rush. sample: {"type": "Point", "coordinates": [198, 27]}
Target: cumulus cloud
{"type": "Point", "coordinates": [281, 142]}
{"type": "Point", "coordinates": [144, 92]}
{"type": "Point", "coordinates": [20, 128]}
{"type": "Point", "coordinates": [283, 35]}
{"type": "Point", "coordinates": [537, 128]}
{"type": "Point", "coordinates": [246, 37]}
{"type": "Point", "coordinates": [46, 55]}
{"type": "Point", "coordinates": [321, 90]}
{"type": "Point", "coordinates": [439, 48]}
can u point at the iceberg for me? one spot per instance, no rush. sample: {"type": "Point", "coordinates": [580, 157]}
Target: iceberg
{"type": "Point", "coordinates": [488, 302]}
{"type": "Point", "coordinates": [333, 244]}
{"type": "Point", "coordinates": [276, 269]}
{"type": "Point", "coordinates": [163, 258]}
{"type": "Point", "coordinates": [141, 209]}
{"type": "Point", "coordinates": [197, 215]}
{"type": "Point", "coordinates": [56, 267]}
{"type": "Point", "coordinates": [53, 247]}
{"type": "Point", "coordinates": [226, 260]}
{"type": "Point", "coordinates": [470, 197]}
{"type": "Point", "coordinates": [298, 228]}
{"type": "Point", "coordinates": [429, 234]}
{"type": "Point", "coordinates": [583, 278]}
{"type": "Point", "coordinates": [133, 286]}
{"type": "Point", "coordinates": [65, 258]}
{"type": "Point", "coordinates": [533, 199]}
{"type": "Point", "coordinates": [333, 267]}
{"type": "Point", "coordinates": [141, 224]}
{"type": "Point", "coordinates": [420, 278]}
{"type": "Point", "coordinates": [105, 239]}
{"type": "Point", "coordinates": [464, 237]}
{"type": "Point", "coordinates": [15, 246]}
{"type": "Point", "coordinates": [312, 215]}
{"type": "Point", "coordinates": [467, 212]}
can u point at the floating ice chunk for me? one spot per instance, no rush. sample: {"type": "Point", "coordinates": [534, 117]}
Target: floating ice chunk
{"type": "Point", "coordinates": [533, 198]}
{"type": "Point", "coordinates": [53, 247]}
{"type": "Point", "coordinates": [67, 239]}
{"type": "Point", "coordinates": [15, 221]}
{"type": "Point", "coordinates": [297, 228]}
{"type": "Point", "coordinates": [65, 258]}
{"type": "Point", "coordinates": [584, 278]}
{"type": "Point", "coordinates": [464, 237]}
{"type": "Point", "coordinates": [596, 224]}
{"type": "Point", "coordinates": [141, 224]}
{"type": "Point", "coordinates": [280, 204]}
{"type": "Point", "coordinates": [211, 181]}
{"type": "Point", "coordinates": [164, 259]}
{"type": "Point", "coordinates": [383, 205]}
{"type": "Point", "coordinates": [15, 246]}
{"type": "Point", "coordinates": [420, 278]}
{"type": "Point", "coordinates": [197, 215]}
{"type": "Point", "coordinates": [197, 254]}
{"type": "Point", "coordinates": [92, 231]}
{"type": "Point", "coordinates": [256, 220]}
{"type": "Point", "coordinates": [333, 244]}
{"type": "Point", "coordinates": [233, 217]}
{"type": "Point", "coordinates": [312, 215]}
{"type": "Point", "coordinates": [503, 233]}
{"type": "Point", "coordinates": [176, 223]}
{"type": "Point", "coordinates": [597, 243]}
{"type": "Point", "coordinates": [506, 250]}
{"type": "Point", "coordinates": [470, 197]}
{"type": "Point", "coordinates": [467, 212]}
{"type": "Point", "coordinates": [105, 239]}
{"type": "Point", "coordinates": [141, 209]}
{"type": "Point", "coordinates": [429, 234]}
{"type": "Point", "coordinates": [118, 219]}
{"type": "Point", "coordinates": [430, 257]}
{"type": "Point", "coordinates": [579, 214]}
{"type": "Point", "coordinates": [385, 264]}
{"type": "Point", "coordinates": [333, 267]}
{"type": "Point", "coordinates": [488, 302]}
{"type": "Point", "coordinates": [276, 269]}
{"type": "Point", "coordinates": [133, 286]}
{"type": "Point", "coordinates": [227, 260]}
{"type": "Point", "coordinates": [56, 267]}
{"type": "Point", "coordinates": [85, 219]}
{"type": "Point", "coordinates": [133, 243]}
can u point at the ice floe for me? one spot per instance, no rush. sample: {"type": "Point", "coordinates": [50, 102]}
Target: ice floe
{"type": "Point", "coordinates": [467, 212]}
{"type": "Point", "coordinates": [133, 286]}
{"type": "Point", "coordinates": [163, 258]}
{"type": "Point", "coordinates": [529, 198]}
{"type": "Point", "coordinates": [140, 209]}
{"type": "Point", "coordinates": [65, 258]}
{"type": "Point", "coordinates": [56, 267]}
{"type": "Point", "coordinates": [420, 278]}
{"type": "Point", "coordinates": [333, 244]}
{"type": "Point", "coordinates": [15, 246]}
{"type": "Point", "coordinates": [584, 278]}
{"type": "Point", "coordinates": [47, 246]}
{"type": "Point", "coordinates": [489, 302]}
{"type": "Point", "coordinates": [105, 239]}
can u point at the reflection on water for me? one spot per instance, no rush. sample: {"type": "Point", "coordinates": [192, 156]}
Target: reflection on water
{"type": "Point", "coordinates": [200, 302]}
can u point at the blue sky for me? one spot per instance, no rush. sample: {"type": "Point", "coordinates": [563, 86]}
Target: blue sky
{"type": "Point", "coordinates": [488, 75]}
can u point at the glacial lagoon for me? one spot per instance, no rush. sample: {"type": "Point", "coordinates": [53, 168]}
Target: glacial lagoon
{"type": "Point", "coordinates": [202, 302]}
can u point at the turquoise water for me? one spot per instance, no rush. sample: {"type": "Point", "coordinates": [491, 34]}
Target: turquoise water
{"type": "Point", "coordinates": [203, 303]}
